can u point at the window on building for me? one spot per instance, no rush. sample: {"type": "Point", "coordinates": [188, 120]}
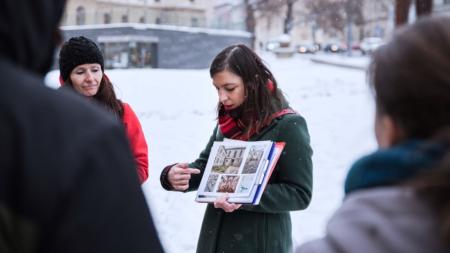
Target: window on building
{"type": "Point", "coordinates": [194, 22]}
{"type": "Point", "coordinates": [446, 1]}
{"type": "Point", "coordinates": [142, 20]}
{"type": "Point", "coordinates": [107, 18]}
{"type": "Point", "coordinates": [124, 18]}
{"type": "Point", "coordinates": [158, 20]}
{"type": "Point", "coordinates": [157, 1]}
{"type": "Point", "coordinates": [81, 15]}
{"type": "Point", "coordinates": [191, 1]}
{"type": "Point", "coordinates": [129, 54]}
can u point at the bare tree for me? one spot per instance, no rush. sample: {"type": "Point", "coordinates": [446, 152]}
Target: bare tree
{"type": "Point", "coordinates": [251, 7]}
{"type": "Point", "coordinates": [423, 7]}
{"type": "Point", "coordinates": [354, 11]}
{"type": "Point", "coordinates": [289, 20]}
{"type": "Point", "coordinates": [326, 14]}
{"type": "Point", "coordinates": [262, 8]}
{"type": "Point", "coordinates": [335, 15]}
{"type": "Point", "coordinates": [250, 22]}
{"type": "Point", "coordinates": [257, 9]}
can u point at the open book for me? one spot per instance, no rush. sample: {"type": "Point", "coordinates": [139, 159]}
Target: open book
{"type": "Point", "coordinates": [240, 169]}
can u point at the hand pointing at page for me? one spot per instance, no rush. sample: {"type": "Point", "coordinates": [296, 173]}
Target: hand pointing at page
{"type": "Point", "coordinates": [179, 176]}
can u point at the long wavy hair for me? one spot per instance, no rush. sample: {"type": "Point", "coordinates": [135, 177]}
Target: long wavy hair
{"type": "Point", "coordinates": [410, 78]}
{"type": "Point", "coordinates": [106, 96]}
{"type": "Point", "coordinates": [262, 100]}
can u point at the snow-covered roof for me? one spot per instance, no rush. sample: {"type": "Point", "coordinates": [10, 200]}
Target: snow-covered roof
{"type": "Point", "coordinates": [161, 27]}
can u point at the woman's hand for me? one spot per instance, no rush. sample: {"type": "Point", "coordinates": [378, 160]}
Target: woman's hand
{"type": "Point", "coordinates": [179, 176]}
{"type": "Point", "coordinates": [221, 202]}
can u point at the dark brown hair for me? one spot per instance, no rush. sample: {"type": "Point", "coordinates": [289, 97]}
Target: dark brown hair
{"type": "Point", "coordinates": [410, 77]}
{"type": "Point", "coordinates": [106, 96]}
{"type": "Point", "coordinates": [261, 102]}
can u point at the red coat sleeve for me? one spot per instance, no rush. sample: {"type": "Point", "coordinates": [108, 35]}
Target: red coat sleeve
{"type": "Point", "coordinates": [137, 141]}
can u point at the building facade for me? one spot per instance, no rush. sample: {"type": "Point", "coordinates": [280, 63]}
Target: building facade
{"type": "Point", "coordinates": [157, 46]}
{"type": "Point", "coordinates": [229, 15]}
{"type": "Point", "coordinates": [231, 156]}
{"type": "Point", "coordinates": [150, 33]}
{"type": "Point", "coordinates": [192, 13]}
{"type": "Point", "coordinates": [378, 19]}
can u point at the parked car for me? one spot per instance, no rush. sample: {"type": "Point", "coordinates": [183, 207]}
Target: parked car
{"type": "Point", "coordinates": [281, 41]}
{"type": "Point", "coordinates": [370, 44]}
{"type": "Point", "coordinates": [356, 45]}
{"type": "Point", "coordinates": [335, 47]}
{"type": "Point", "coordinates": [307, 48]}
{"type": "Point", "coordinates": [271, 45]}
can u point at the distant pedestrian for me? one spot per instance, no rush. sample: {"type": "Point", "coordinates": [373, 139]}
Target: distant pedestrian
{"type": "Point", "coordinates": [81, 66]}
{"type": "Point", "coordinates": [397, 199]}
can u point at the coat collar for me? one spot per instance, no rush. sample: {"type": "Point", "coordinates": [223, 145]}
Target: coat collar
{"type": "Point", "coordinates": [394, 165]}
{"type": "Point", "coordinates": [256, 137]}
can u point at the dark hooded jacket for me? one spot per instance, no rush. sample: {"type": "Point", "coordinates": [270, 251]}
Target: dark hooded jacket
{"type": "Point", "coordinates": [67, 177]}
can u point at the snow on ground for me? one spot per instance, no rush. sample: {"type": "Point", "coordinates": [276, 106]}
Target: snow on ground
{"type": "Point", "coordinates": [356, 61]}
{"type": "Point", "coordinates": [177, 112]}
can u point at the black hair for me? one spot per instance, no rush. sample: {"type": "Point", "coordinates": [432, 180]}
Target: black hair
{"type": "Point", "coordinates": [106, 97]}
{"type": "Point", "coordinates": [261, 88]}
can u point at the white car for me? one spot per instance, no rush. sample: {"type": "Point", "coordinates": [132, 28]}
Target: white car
{"type": "Point", "coordinates": [370, 44]}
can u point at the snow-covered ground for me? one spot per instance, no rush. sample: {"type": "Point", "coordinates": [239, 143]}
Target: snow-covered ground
{"type": "Point", "coordinates": [177, 112]}
{"type": "Point", "coordinates": [356, 61]}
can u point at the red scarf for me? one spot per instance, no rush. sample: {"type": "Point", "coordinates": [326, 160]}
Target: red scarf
{"type": "Point", "coordinates": [233, 128]}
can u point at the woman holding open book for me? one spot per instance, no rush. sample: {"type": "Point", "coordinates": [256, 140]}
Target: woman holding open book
{"type": "Point", "coordinates": [251, 108]}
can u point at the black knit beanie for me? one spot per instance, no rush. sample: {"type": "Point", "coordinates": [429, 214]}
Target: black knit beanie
{"type": "Point", "coordinates": [77, 51]}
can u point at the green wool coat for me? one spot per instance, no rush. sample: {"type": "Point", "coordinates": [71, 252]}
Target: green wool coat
{"type": "Point", "coordinates": [264, 228]}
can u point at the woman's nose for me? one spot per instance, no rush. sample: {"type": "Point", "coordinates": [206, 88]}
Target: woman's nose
{"type": "Point", "coordinates": [89, 75]}
{"type": "Point", "coordinates": [222, 96]}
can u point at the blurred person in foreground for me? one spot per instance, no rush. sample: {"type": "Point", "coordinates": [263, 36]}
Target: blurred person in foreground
{"type": "Point", "coordinates": [67, 179]}
{"type": "Point", "coordinates": [82, 70]}
{"type": "Point", "coordinates": [397, 199]}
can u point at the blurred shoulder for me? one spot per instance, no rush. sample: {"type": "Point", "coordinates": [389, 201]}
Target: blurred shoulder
{"type": "Point", "coordinates": [385, 219]}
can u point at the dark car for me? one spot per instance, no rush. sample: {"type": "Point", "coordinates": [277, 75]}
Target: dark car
{"type": "Point", "coordinates": [334, 47]}
{"type": "Point", "coordinates": [307, 48]}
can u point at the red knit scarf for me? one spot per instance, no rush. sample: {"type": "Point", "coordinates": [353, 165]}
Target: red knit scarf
{"type": "Point", "coordinates": [233, 128]}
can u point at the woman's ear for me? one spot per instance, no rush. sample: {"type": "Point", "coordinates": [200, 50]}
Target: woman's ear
{"type": "Point", "coordinates": [61, 80]}
{"type": "Point", "coordinates": [106, 77]}
{"type": "Point", "coordinates": [387, 132]}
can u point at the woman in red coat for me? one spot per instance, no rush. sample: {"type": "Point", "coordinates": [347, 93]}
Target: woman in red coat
{"type": "Point", "coordinates": [81, 67]}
